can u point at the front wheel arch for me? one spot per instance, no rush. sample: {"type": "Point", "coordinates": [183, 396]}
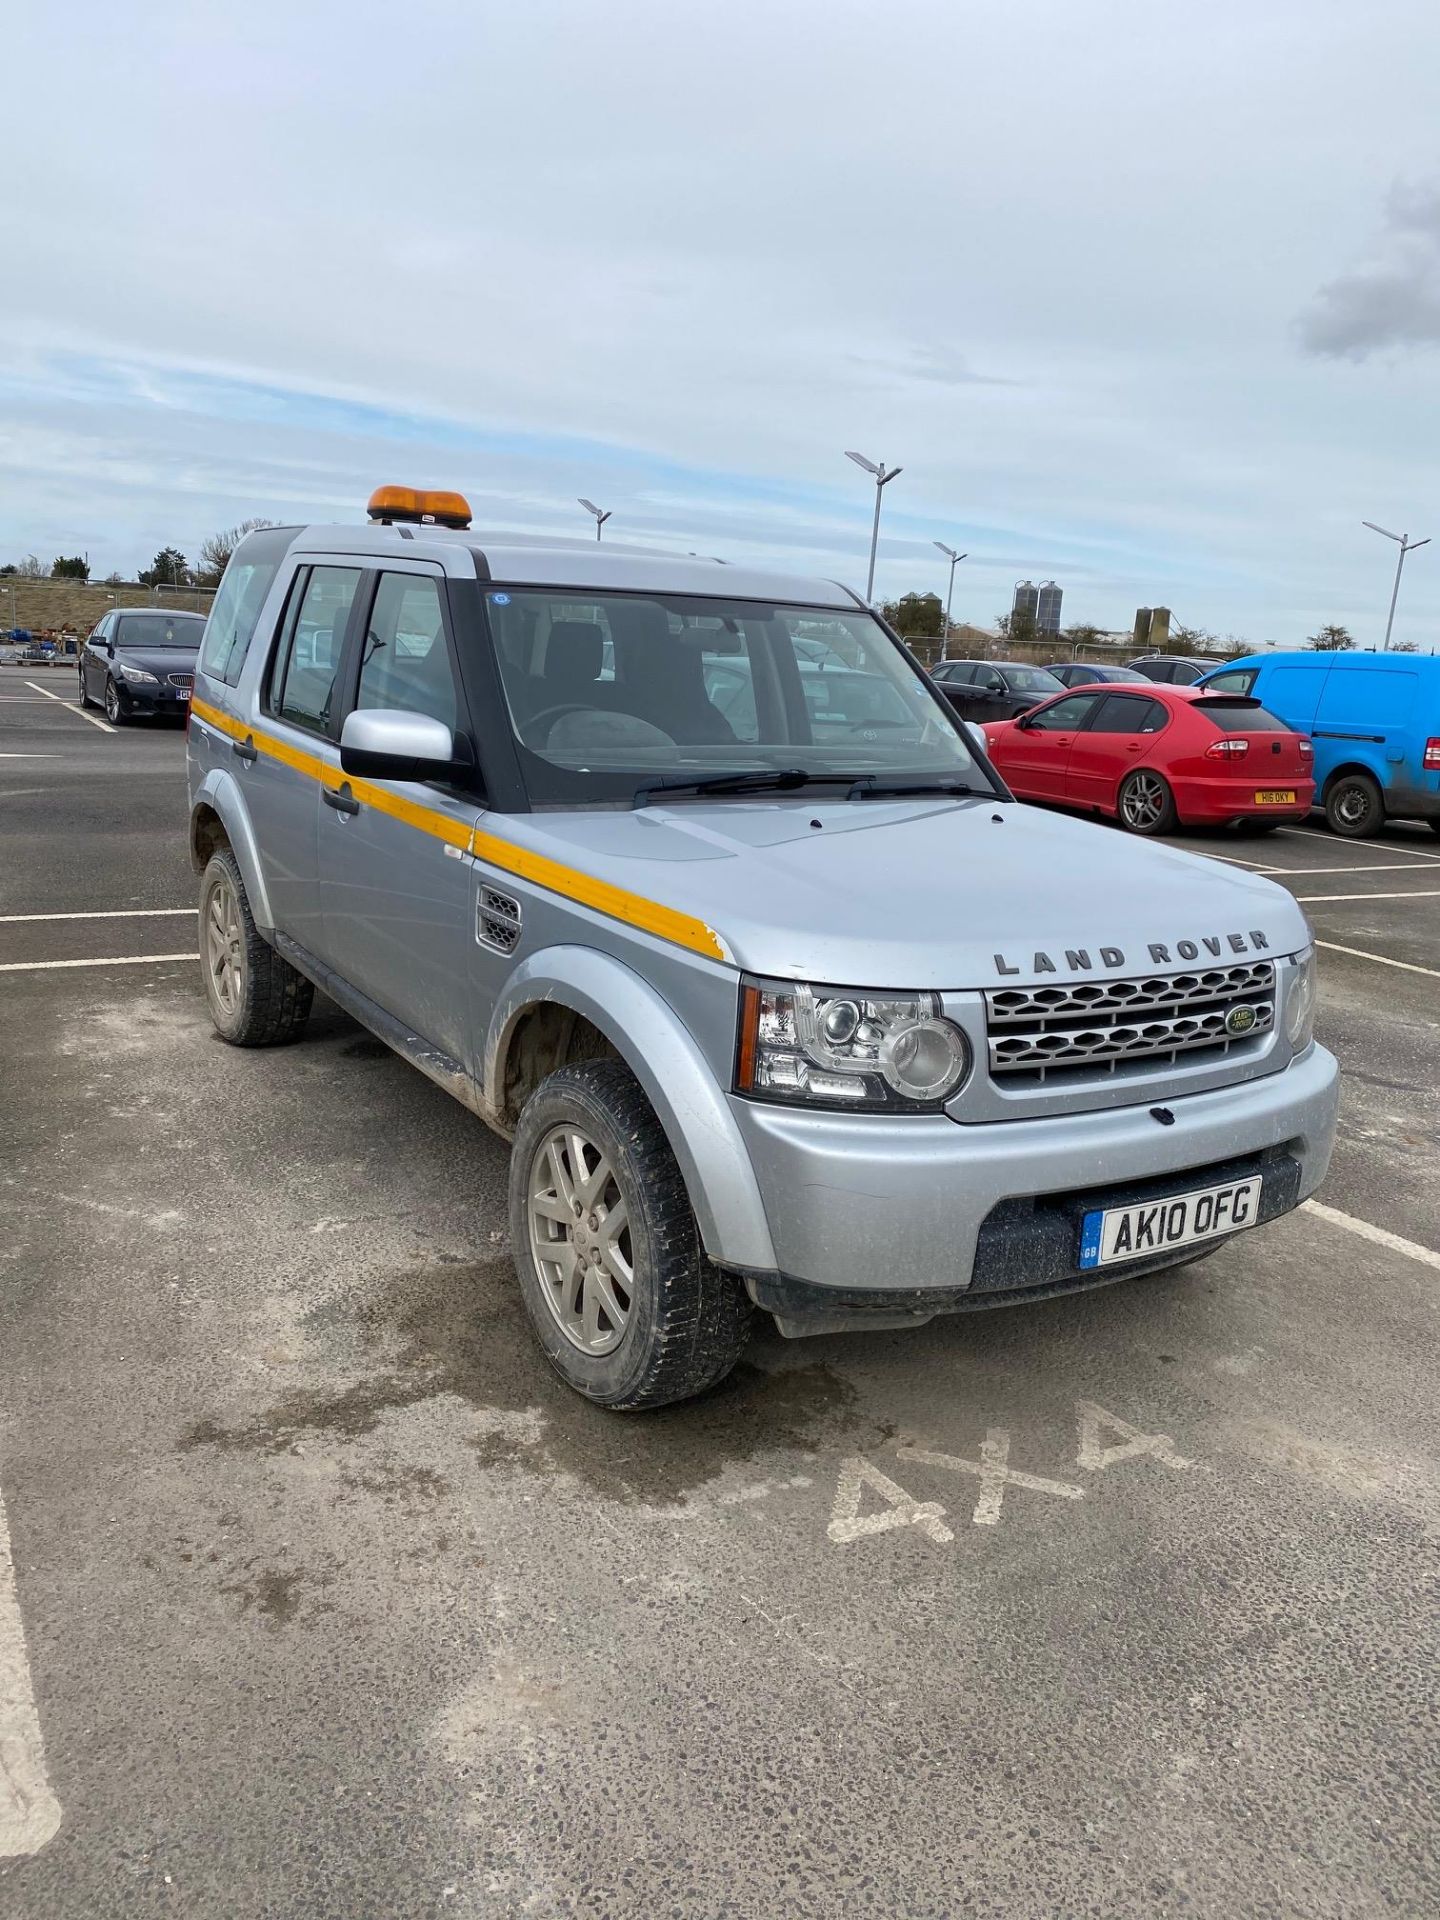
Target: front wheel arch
{"type": "Point", "coordinates": [689, 1100]}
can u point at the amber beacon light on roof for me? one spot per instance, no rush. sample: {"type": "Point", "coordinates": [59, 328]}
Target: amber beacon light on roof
{"type": "Point", "coordinates": [426, 506]}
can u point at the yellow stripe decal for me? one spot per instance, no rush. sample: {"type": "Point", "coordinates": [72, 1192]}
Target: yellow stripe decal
{"type": "Point", "coordinates": [681, 929]}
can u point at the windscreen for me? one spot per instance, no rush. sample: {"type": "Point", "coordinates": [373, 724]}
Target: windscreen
{"type": "Point", "coordinates": [1239, 716]}
{"type": "Point", "coordinates": [1036, 680]}
{"type": "Point", "coordinates": [160, 630]}
{"type": "Point", "coordinates": [610, 692]}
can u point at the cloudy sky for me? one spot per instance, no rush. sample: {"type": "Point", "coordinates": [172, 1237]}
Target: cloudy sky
{"type": "Point", "coordinates": [1141, 294]}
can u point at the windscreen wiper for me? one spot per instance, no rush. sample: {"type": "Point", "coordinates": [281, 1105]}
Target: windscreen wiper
{"type": "Point", "coordinates": [863, 785]}
{"type": "Point", "coordinates": [758, 780]}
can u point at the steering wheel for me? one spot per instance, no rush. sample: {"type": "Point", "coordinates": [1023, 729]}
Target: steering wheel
{"type": "Point", "coordinates": [552, 714]}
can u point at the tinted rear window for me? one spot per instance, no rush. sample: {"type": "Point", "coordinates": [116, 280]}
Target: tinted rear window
{"type": "Point", "coordinates": [1232, 716]}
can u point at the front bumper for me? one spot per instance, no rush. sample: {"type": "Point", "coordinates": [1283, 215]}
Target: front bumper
{"type": "Point", "coordinates": [924, 1216]}
{"type": "Point", "coordinates": [137, 701]}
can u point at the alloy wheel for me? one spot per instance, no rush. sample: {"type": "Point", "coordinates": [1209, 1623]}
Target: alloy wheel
{"type": "Point", "coordinates": [1143, 801]}
{"type": "Point", "coordinates": [580, 1240]}
{"type": "Point", "coordinates": [224, 946]}
{"type": "Point", "coordinates": [112, 703]}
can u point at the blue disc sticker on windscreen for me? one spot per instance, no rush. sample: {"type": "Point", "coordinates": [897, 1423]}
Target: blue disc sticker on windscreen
{"type": "Point", "coordinates": [499, 599]}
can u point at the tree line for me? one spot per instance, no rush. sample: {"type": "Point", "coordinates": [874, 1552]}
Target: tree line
{"type": "Point", "coordinates": [169, 568]}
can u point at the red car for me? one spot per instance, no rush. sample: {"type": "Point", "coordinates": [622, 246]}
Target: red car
{"type": "Point", "coordinates": [1158, 757]}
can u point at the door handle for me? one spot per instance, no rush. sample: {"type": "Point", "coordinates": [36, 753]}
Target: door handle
{"type": "Point", "coordinates": [342, 802]}
{"type": "Point", "coordinates": [245, 750]}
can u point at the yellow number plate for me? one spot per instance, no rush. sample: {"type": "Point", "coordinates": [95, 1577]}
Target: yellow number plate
{"type": "Point", "coordinates": [1276, 797]}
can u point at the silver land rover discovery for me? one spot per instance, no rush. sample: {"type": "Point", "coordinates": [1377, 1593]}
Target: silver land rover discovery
{"type": "Point", "coordinates": [683, 878]}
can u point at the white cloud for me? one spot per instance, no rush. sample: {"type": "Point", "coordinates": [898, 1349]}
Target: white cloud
{"type": "Point", "coordinates": [1043, 257]}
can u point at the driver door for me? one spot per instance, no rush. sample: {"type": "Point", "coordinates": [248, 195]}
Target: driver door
{"type": "Point", "coordinates": [1038, 756]}
{"type": "Point", "coordinates": [396, 881]}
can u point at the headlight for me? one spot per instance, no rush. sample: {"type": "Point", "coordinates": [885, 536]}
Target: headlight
{"type": "Point", "coordinates": [821, 1046]}
{"type": "Point", "coordinates": [138, 674]}
{"type": "Point", "coordinates": [1300, 997]}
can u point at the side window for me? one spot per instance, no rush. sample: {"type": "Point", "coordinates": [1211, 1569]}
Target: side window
{"type": "Point", "coordinates": [1240, 682]}
{"type": "Point", "coordinates": [231, 626]}
{"type": "Point", "coordinates": [1064, 716]}
{"type": "Point", "coordinates": [1129, 713]}
{"type": "Point", "coordinates": [302, 681]}
{"type": "Point", "coordinates": [990, 681]}
{"type": "Point", "coordinates": [730, 688]}
{"type": "Point", "coordinates": [405, 663]}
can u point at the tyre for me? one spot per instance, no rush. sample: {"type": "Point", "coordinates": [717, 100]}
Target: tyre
{"type": "Point", "coordinates": [256, 999]}
{"type": "Point", "coordinates": [1145, 803]}
{"type": "Point", "coordinates": [112, 705]}
{"type": "Point", "coordinates": [627, 1307]}
{"type": "Point", "coordinates": [1354, 807]}
{"type": "Point", "coordinates": [84, 696]}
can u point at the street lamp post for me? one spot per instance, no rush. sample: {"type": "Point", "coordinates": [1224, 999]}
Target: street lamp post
{"type": "Point", "coordinates": [600, 518]}
{"type": "Point", "coordinates": [1406, 545]}
{"type": "Point", "coordinates": [954, 559]}
{"type": "Point", "coordinates": [883, 477]}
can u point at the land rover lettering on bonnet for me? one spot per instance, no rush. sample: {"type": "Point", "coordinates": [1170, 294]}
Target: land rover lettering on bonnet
{"type": "Point", "coordinates": [635, 855]}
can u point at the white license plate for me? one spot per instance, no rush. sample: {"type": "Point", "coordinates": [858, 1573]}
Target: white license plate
{"type": "Point", "coordinates": [1136, 1233]}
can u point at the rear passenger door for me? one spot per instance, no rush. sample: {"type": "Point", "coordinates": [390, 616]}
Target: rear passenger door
{"type": "Point", "coordinates": [281, 771]}
{"type": "Point", "coordinates": [1120, 736]}
{"type": "Point", "coordinates": [396, 879]}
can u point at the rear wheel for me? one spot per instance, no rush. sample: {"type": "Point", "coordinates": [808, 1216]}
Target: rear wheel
{"type": "Point", "coordinates": [256, 999]}
{"type": "Point", "coordinates": [84, 696]}
{"type": "Point", "coordinates": [1146, 804]}
{"type": "Point", "coordinates": [624, 1301]}
{"type": "Point", "coordinates": [1354, 807]}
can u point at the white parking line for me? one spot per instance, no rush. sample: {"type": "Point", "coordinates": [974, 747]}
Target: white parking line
{"type": "Point", "coordinates": [114, 960]}
{"type": "Point", "coordinates": [1379, 1235]}
{"type": "Point", "coordinates": [70, 707]}
{"type": "Point", "coordinates": [1414, 893]}
{"type": "Point", "coordinates": [29, 756]}
{"type": "Point", "coordinates": [1357, 846]}
{"type": "Point", "coordinates": [1380, 959]}
{"type": "Point", "coordinates": [1320, 873]}
{"type": "Point", "coordinates": [106, 913]}
{"type": "Point", "coordinates": [29, 1811]}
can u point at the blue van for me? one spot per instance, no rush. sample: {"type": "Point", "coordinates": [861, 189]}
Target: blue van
{"type": "Point", "coordinates": [1374, 719]}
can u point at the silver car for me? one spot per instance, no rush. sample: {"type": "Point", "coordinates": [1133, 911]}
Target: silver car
{"type": "Point", "coordinates": [682, 876]}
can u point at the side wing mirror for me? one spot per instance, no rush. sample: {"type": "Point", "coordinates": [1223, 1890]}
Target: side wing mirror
{"type": "Point", "coordinates": [387, 744]}
{"type": "Point", "coordinates": [977, 734]}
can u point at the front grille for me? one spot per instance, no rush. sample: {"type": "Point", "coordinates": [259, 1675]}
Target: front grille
{"type": "Point", "coordinates": [1099, 1029]}
{"type": "Point", "coordinates": [185, 681]}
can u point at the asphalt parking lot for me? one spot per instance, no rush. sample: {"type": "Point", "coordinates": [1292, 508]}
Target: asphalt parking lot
{"type": "Point", "coordinates": [335, 1602]}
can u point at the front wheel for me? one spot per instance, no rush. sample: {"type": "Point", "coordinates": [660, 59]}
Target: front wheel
{"type": "Point", "coordinates": [112, 704]}
{"type": "Point", "coordinates": [1354, 807]}
{"type": "Point", "coordinates": [1146, 804]}
{"type": "Point", "coordinates": [626, 1304]}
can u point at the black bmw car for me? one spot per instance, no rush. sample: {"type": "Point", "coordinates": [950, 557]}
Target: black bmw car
{"type": "Point", "coordinates": [993, 689]}
{"type": "Point", "coordinates": [140, 660]}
